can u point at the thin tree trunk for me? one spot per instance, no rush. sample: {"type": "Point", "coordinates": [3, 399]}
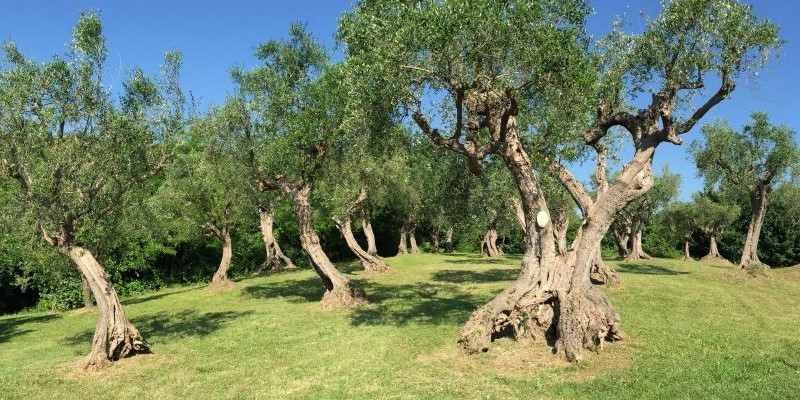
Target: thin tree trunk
{"type": "Point", "coordinates": [275, 260]}
{"type": "Point", "coordinates": [114, 336]}
{"type": "Point", "coordinates": [448, 241]}
{"type": "Point", "coordinates": [750, 251]}
{"type": "Point", "coordinates": [412, 240]}
{"type": "Point", "coordinates": [434, 241]}
{"type": "Point", "coordinates": [366, 226]}
{"type": "Point", "coordinates": [220, 279]}
{"type": "Point", "coordinates": [553, 296]}
{"type": "Point", "coordinates": [686, 255]}
{"type": "Point", "coordinates": [637, 251]}
{"type": "Point", "coordinates": [87, 293]}
{"type": "Point", "coordinates": [370, 263]}
{"type": "Point", "coordinates": [339, 291]}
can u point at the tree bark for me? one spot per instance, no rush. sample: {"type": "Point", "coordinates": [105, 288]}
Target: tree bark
{"type": "Point", "coordinates": [602, 273]}
{"type": "Point", "coordinates": [490, 241]}
{"type": "Point", "coordinates": [87, 293]}
{"type": "Point", "coordinates": [220, 279]}
{"type": "Point", "coordinates": [340, 292]}
{"type": "Point", "coordinates": [412, 240]}
{"type": "Point", "coordinates": [448, 241]}
{"type": "Point", "coordinates": [370, 262]}
{"type": "Point", "coordinates": [686, 255]}
{"type": "Point", "coordinates": [434, 241]}
{"type": "Point", "coordinates": [402, 248]}
{"type": "Point", "coordinates": [637, 251]}
{"type": "Point", "coordinates": [366, 226]}
{"type": "Point", "coordinates": [114, 336]}
{"type": "Point", "coordinates": [713, 250]}
{"type": "Point", "coordinates": [553, 296]}
{"type": "Point", "coordinates": [275, 260]}
{"type": "Point", "coordinates": [560, 227]}
{"type": "Point", "coordinates": [759, 202]}
{"type": "Point", "coordinates": [622, 237]}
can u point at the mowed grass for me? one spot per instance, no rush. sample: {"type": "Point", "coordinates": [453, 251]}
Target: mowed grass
{"type": "Point", "coordinates": [694, 331]}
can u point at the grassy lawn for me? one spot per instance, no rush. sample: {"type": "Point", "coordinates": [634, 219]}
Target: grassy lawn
{"type": "Point", "coordinates": [695, 331]}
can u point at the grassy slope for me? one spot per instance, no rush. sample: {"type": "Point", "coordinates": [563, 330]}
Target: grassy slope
{"type": "Point", "coordinates": [696, 331]}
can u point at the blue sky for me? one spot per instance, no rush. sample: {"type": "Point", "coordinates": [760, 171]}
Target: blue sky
{"type": "Point", "coordinates": [216, 36]}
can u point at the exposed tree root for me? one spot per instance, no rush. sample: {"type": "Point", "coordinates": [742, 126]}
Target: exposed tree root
{"type": "Point", "coordinates": [346, 296]}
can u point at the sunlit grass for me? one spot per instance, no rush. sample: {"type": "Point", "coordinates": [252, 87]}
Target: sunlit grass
{"type": "Point", "coordinates": [695, 331]}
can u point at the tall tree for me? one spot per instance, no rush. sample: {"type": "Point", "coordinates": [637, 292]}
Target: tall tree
{"type": "Point", "coordinates": [76, 157]}
{"type": "Point", "coordinates": [498, 64]}
{"type": "Point", "coordinates": [299, 112]}
{"type": "Point", "coordinates": [751, 163]}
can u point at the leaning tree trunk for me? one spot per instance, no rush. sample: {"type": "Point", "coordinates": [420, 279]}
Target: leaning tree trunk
{"type": "Point", "coordinates": [637, 251]}
{"type": "Point", "coordinates": [434, 241]}
{"type": "Point", "coordinates": [340, 292]}
{"type": "Point", "coordinates": [448, 241]}
{"type": "Point", "coordinates": [713, 250]}
{"type": "Point", "coordinates": [686, 255]}
{"type": "Point", "coordinates": [114, 336]}
{"type": "Point", "coordinates": [553, 296]}
{"type": "Point", "coordinates": [87, 293]}
{"type": "Point", "coordinates": [275, 261]}
{"type": "Point", "coordinates": [412, 240]}
{"type": "Point", "coordinates": [370, 262]}
{"type": "Point", "coordinates": [220, 279]}
{"type": "Point", "coordinates": [750, 251]}
{"type": "Point", "coordinates": [366, 226]}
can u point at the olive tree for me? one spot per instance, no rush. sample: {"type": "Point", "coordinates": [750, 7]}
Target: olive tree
{"type": "Point", "coordinates": [522, 82]}
{"type": "Point", "coordinates": [76, 156]}
{"type": "Point", "coordinates": [680, 218]}
{"type": "Point", "coordinates": [712, 218]}
{"type": "Point", "coordinates": [298, 105]}
{"type": "Point", "coordinates": [751, 162]}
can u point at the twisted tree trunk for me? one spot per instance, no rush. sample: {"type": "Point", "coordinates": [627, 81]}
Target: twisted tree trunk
{"type": "Point", "coordinates": [402, 248]}
{"type": "Point", "coordinates": [114, 336]}
{"type": "Point", "coordinates": [340, 292]}
{"type": "Point", "coordinates": [448, 241]}
{"type": "Point", "coordinates": [370, 262]}
{"type": "Point", "coordinates": [366, 226]}
{"type": "Point", "coordinates": [713, 251]}
{"type": "Point", "coordinates": [622, 237]}
{"type": "Point", "coordinates": [87, 293]}
{"type": "Point", "coordinates": [490, 241]}
{"type": "Point", "coordinates": [434, 241]}
{"type": "Point", "coordinates": [412, 240]}
{"type": "Point", "coordinates": [220, 279]}
{"type": "Point", "coordinates": [759, 202]}
{"type": "Point", "coordinates": [686, 255]}
{"type": "Point", "coordinates": [275, 260]}
{"type": "Point", "coordinates": [637, 251]}
{"type": "Point", "coordinates": [553, 297]}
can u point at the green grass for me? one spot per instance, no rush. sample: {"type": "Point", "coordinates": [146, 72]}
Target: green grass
{"type": "Point", "coordinates": [695, 331]}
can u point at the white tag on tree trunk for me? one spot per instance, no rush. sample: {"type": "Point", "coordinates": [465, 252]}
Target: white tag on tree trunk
{"type": "Point", "coordinates": [542, 218]}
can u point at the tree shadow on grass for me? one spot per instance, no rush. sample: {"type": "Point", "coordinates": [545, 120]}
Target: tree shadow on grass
{"type": "Point", "coordinates": [163, 326]}
{"type": "Point", "coordinates": [10, 327]}
{"type": "Point", "coordinates": [156, 296]}
{"type": "Point", "coordinates": [423, 303]}
{"type": "Point", "coordinates": [490, 275]}
{"type": "Point", "coordinates": [646, 269]}
{"type": "Point", "coordinates": [482, 260]}
{"type": "Point", "coordinates": [294, 290]}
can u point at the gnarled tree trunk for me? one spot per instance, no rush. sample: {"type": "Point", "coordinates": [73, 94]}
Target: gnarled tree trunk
{"type": "Point", "coordinates": [622, 237]}
{"type": "Point", "coordinates": [560, 227]}
{"type": "Point", "coordinates": [713, 250]}
{"type": "Point", "coordinates": [366, 226]}
{"type": "Point", "coordinates": [448, 241]}
{"type": "Point", "coordinates": [489, 244]}
{"type": "Point", "coordinates": [686, 255]}
{"type": "Point", "coordinates": [759, 204]}
{"type": "Point", "coordinates": [275, 260]}
{"type": "Point", "coordinates": [402, 248]}
{"type": "Point", "coordinates": [412, 240]}
{"type": "Point", "coordinates": [637, 251]}
{"type": "Point", "coordinates": [339, 291]}
{"type": "Point", "coordinates": [602, 273]}
{"type": "Point", "coordinates": [553, 296]}
{"type": "Point", "coordinates": [220, 279]}
{"type": "Point", "coordinates": [434, 241]}
{"type": "Point", "coordinates": [370, 262]}
{"type": "Point", "coordinates": [114, 336]}
{"type": "Point", "coordinates": [87, 293]}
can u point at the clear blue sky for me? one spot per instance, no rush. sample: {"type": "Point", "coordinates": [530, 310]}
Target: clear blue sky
{"type": "Point", "coordinates": [216, 36]}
